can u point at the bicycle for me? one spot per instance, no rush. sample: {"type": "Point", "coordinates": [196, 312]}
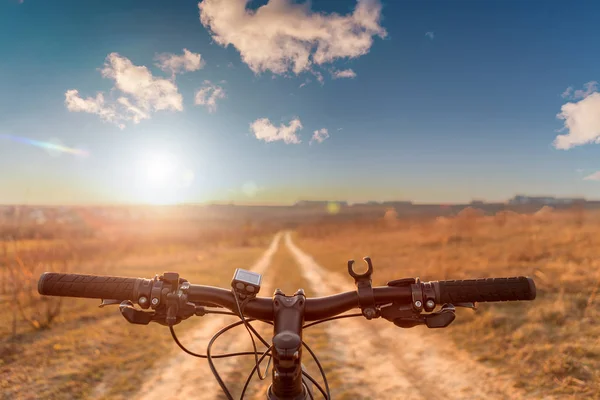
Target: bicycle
{"type": "Point", "coordinates": [168, 299]}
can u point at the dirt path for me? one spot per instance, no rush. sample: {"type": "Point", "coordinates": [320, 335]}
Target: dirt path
{"type": "Point", "coordinates": [184, 376]}
{"type": "Point", "coordinates": [386, 362]}
{"type": "Point", "coordinates": [369, 359]}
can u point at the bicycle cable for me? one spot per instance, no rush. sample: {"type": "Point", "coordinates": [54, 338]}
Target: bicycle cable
{"type": "Point", "coordinates": [185, 349]}
{"type": "Point", "coordinates": [253, 371]}
{"type": "Point", "coordinates": [316, 384]}
{"type": "Point", "coordinates": [240, 309]}
{"type": "Point", "coordinates": [325, 393]}
{"type": "Point", "coordinates": [331, 319]}
{"type": "Point", "coordinates": [213, 340]}
{"type": "Point", "coordinates": [252, 332]}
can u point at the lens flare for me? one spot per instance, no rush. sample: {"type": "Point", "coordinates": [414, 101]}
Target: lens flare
{"type": "Point", "coordinates": [333, 207]}
{"type": "Point", "coordinates": [46, 145]}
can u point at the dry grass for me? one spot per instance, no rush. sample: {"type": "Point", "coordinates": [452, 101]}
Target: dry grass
{"type": "Point", "coordinates": [552, 345]}
{"type": "Point", "coordinates": [85, 346]}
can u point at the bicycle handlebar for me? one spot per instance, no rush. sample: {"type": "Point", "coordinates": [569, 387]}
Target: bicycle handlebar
{"type": "Point", "coordinates": [134, 289]}
{"type": "Point", "coordinates": [89, 286]}
{"type": "Point", "coordinates": [487, 289]}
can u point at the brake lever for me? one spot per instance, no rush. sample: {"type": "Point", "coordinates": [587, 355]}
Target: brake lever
{"type": "Point", "coordinates": [109, 302]}
{"type": "Point", "coordinates": [472, 306]}
{"type": "Point", "coordinates": [135, 316]}
{"type": "Point", "coordinates": [404, 316]}
{"type": "Point", "coordinates": [442, 318]}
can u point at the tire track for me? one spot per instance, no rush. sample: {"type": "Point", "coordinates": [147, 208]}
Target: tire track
{"type": "Point", "coordinates": [184, 376]}
{"type": "Point", "coordinates": [381, 361]}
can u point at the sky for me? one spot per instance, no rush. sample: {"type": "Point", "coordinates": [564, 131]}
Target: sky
{"type": "Point", "coordinates": [277, 101]}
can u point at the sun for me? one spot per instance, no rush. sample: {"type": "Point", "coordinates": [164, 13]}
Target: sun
{"type": "Point", "coordinates": [161, 178]}
{"type": "Point", "coordinates": [158, 168]}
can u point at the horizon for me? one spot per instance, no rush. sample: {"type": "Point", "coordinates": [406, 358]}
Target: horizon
{"type": "Point", "coordinates": [262, 204]}
{"type": "Point", "coordinates": [365, 100]}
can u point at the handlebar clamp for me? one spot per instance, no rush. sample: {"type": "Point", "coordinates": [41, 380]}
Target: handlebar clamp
{"type": "Point", "coordinates": [366, 298]}
{"type": "Point", "coordinates": [422, 299]}
{"type": "Point", "coordinates": [169, 302]}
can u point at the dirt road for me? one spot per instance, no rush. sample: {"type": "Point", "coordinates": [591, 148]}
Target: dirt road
{"type": "Point", "coordinates": [380, 361]}
{"type": "Point", "coordinates": [184, 376]}
{"type": "Point", "coordinates": [373, 359]}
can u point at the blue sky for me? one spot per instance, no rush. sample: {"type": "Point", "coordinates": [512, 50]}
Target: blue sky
{"type": "Point", "coordinates": [441, 101]}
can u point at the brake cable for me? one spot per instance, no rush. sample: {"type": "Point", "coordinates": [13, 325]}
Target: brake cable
{"type": "Point", "coordinates": [210, 362]}
{"type": "Point", "coordinates": [240, 309]}
{"type": "Point", "coordinates": [246, 322]}
{"type": "Point", "coordinates": [316, 384]}
{"type": "Point", "coordinates": [326, 394]}
{"type": "Point", "coordinates": [216, 336]}
{"type": "Point", "coordinates": [266, 353]}
{"type": "Point", "coordinates": [331, 319]}
{"type": "Point", "coordinates": [185, 349]}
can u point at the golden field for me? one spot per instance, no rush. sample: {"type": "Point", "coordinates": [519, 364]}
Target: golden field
{"type": "Point", "coordinates": [53, 348]}
{"type": "Point", "coordinates": [551, 345]}
{"type": "Point", "coordinates": [71, 349]}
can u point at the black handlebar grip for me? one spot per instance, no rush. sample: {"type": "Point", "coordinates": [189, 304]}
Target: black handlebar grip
{"type": "Point", "coordinates": [487, 289]}
{"type": "Point", "coordinates": [89, 286]}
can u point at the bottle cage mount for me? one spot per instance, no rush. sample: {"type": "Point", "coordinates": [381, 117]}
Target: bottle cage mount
{"type": "Point", "coordinates": [403, 315]}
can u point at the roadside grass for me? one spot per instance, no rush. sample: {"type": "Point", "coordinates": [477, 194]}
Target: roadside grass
{"type": "Point", "coordinates": [551, 345]}
{"type": "Point", "coordinates": [93, 352]}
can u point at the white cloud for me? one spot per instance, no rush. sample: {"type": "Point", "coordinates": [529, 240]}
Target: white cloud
{"type": "Point", "coordinates": [430, 35]}
{"type": "Point", "coordinates": [135, 113]}
{"type": "Point", "coordinates": [567, 93]}
{"type": "Point", "coordinates": [208, 95]}
{"type": "Point", "coordinates": [346, 73]}
{"type": "Point", "coordinates": [93, 105]}
{"type": "Point", "coordinates": [175, 64]}
{"type": "Point", "coordinates": [319, 135]}
{"type": "Point", "coordinates": [588, 88]}
{"type": "Point", "coordinates": [147, 91]}
{"type": "Point", "coordinates": [141, 94]}
{"type": "Point", "coordinates": [319, 77]}
{"type": "Point", "coordinates": [593, 177]}
{"type": "Point", "coordinates": [582, 121]}
{"type": "Point", "coordinates": [282, 36]}
{"type": "Point", "coordinates": [263, 129]}
{"type": "Point", "coordinates": [306, 82]}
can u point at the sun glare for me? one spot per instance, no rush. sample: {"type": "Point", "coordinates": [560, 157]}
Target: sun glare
{"type": "Point", "coordinates": [161, 178]}
{"type": "Point", "coordinates": [159, 168]}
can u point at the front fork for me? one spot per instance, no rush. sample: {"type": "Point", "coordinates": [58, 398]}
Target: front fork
{"type": "Point", "coordinates": [287, 347]}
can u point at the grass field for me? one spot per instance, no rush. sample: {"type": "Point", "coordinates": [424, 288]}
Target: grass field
{"type": "Point", "coordinates": [551, 345]}
{"type": "Point", "coordinates": [85, 347]}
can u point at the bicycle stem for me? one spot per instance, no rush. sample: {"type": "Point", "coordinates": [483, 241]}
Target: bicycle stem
{"type": "Point", "coordinates": [288, 313]}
